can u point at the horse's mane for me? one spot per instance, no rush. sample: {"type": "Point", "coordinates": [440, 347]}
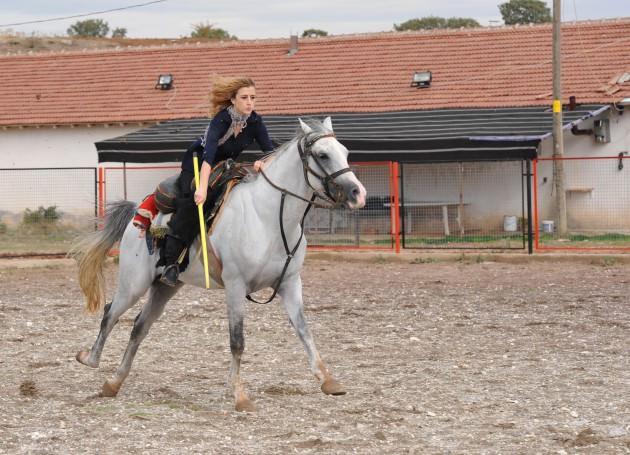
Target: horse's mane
{"type": "Point", "coordinates": [317, 127]}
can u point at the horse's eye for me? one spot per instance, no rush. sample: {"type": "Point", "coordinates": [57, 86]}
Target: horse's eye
{"type": "Point", "coordinates": [323, 156]}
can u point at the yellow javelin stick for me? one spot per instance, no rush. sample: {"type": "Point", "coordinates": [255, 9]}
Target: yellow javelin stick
{"type": "Point", "coordinates": [202, 224]}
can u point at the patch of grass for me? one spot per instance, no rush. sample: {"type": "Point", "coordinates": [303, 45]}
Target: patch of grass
{"type": "Point", "coordinates": [380, 259]}
{"type": "Point", "coordinates": [477, 259]}
{"type": "Point", "coordinates": [478, 238]}
{"type": "Point", "coordinates": [423, 260]}
{"type": "Point", "coordinates": [103, 409]}
{"type": "Point", "coordinates": [608, 261]}
{"type": "Point", "coordinates": [31, 239]}
{"type": "Point", "coordinates": [171, 404]}
{"type": "Point", "coordinates": [605, 239]}
{"type": "Point", "coordinates": [609, 237]}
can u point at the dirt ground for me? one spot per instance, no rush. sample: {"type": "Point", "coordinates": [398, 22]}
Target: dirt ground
{"type": "Point", "coordinates": [438, 357]}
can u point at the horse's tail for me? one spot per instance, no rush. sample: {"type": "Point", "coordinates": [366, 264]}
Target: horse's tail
{"type": "Point", "coordinates": [90, 252]}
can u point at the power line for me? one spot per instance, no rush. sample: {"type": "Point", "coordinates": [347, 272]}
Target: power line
{"type": "Point", "coordinates": [82, 15]}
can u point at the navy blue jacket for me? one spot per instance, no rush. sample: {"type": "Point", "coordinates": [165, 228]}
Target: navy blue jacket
{"type": "Point", "coordinates": [207, 146]}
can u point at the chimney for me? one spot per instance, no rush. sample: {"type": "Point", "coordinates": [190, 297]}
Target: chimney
{"type": "Point", "coordinates": [293, 43]}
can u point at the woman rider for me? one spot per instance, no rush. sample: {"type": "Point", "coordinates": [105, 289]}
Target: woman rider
{"type": "Point", "coordinates": [234, 126]}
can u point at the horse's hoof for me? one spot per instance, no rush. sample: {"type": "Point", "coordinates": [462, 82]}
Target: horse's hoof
{"type": "Point", "coordinates": [110, 389]}
{"type": "Point", "coordinates": [245, 405]}
{"type": "Point", "coordinates": [83, 357]}
{"type": "Point", "coordinates": [332, 387]}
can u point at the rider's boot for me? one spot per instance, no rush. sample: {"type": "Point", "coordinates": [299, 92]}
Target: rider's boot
{"type": "Point", "coordinates": [173, 248]}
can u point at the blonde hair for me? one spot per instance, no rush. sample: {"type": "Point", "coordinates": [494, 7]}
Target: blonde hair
{"type": "Point", "coordinates": [224, 89]}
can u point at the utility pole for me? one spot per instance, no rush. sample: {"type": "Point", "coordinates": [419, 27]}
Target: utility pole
{"type": "Point", "coordinates": [558, 139]}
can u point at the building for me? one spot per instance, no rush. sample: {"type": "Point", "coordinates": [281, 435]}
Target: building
{"type": "Point", "coordinates": [489, 95]}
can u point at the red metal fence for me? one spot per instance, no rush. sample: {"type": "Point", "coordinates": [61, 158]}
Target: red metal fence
{"type": "Point", "coordinates": [442, 205]}
{"type": "Point", "coordinates": [325, 229]}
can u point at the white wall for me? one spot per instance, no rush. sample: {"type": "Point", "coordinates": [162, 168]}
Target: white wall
{"type": "Point", "coordinates": [490, 191]}
{"type": "Point", "coordinates": [54, 147]}
{"type": "Point", "coordinates": [135, 181]}
{"type": "Point", "coordinates": [598, 198]}
{"type": "Point", "coordinates": [72, 190]}
{"type": "Point", "coordinates": [598, 193]}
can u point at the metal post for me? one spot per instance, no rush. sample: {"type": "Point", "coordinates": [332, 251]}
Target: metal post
{"type": "Point", "coordinates": [403, 228]}
{"type": "Point", "coordinates": [558, 142]}
{"type": "Point", "coordinates": [528, 179]}
{"type": "Point", "coordinates": [460, 209]}
{"type": "Point", "coordinates": [395, 204]}
{"type": "Point", "coordinates": [101, 193]}
{"type": "Point", "coordinates": [125, 180]}
{"type": "Point", "coordinates": [535, 223]}
{"type": "Point", "coordinates": [95, 198]}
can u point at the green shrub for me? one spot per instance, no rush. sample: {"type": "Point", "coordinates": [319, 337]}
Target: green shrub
{"type": "Point", "coordinates": [41, 221]}
{"type": "Point", "coordinates": [48, 215]}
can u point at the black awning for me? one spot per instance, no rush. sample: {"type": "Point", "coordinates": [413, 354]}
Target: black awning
{"type": "Point", "coordinates": [410, 136]}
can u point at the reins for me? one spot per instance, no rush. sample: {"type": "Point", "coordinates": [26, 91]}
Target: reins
{"type": "Point", "coordinates": [289, 252]}
{"type": "Point", "coordinates": [284, 192]}
{"type": "Point", "coordinates": [326, 180]}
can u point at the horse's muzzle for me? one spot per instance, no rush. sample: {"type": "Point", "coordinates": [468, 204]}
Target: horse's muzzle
{"type": "Point", "coordinates": [354, 195]}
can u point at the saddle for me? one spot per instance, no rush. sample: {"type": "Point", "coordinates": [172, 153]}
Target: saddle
{"type": "Point", "coordinates": [165, 198]}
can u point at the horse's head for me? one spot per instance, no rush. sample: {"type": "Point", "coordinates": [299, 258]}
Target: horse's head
{"type": "Point", "coordinates": [325, 162]}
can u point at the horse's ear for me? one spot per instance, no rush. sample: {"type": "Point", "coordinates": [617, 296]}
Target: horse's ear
{"type": "Point", "coordinates": [327, 123]}
{"type": "Point", "coordinates": [305, 128]}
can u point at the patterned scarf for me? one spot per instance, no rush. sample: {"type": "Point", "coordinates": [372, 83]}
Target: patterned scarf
{"type": "Point", "coordinates": [239, 122]}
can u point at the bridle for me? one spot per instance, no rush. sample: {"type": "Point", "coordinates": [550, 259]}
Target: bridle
{"type": "Point", "coordinates": [333, 192]}
{"type": "Point", "coordinates": [333, 196]}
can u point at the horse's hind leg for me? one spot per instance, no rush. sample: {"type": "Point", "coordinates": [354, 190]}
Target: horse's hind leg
{"type": "Point", "coordinates": [236, 316]}
{"type": "Point", "coordinates": [160, 294]}
{"type": "Point", "coordinates": [291, 293]}
{"type": "Point", "coordinates": [126, 296]}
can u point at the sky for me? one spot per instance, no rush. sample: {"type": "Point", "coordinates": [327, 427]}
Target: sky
{"type": "Point", "coordinates": [252, 19]}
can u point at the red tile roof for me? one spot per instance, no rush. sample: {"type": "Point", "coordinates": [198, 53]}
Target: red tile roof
{"type": "Point", "coordinates": [484, 67]}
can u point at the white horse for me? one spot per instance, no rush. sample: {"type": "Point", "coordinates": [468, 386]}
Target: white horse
{"type": "Point", "coordinates": [249, 241]}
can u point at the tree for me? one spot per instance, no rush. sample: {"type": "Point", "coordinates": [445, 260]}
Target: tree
{"type": "Point", "coordinates": [90, 27]}
{"type": "Point", "coordinates": [461, 22]}
{"type": "Point", "coordinates": [432, 22]}
{"type": "Point", "coordinates": [314, 33]}
{"type": "Point", "coordinates": [525, 12]}
{"type": "Point", "coordinates": [119, 32]}
{"type": "Point", "coordinates": [208, 31]}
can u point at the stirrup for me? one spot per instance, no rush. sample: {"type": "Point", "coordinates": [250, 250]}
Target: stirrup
{"type": "Point", "coordinates": [170, 275]}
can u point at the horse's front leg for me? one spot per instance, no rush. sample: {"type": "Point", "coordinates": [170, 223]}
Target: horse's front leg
{"type": "Point", "coordinates": [291, 293]}
{"type": "Point", "coordinates": [235, 295]}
